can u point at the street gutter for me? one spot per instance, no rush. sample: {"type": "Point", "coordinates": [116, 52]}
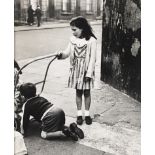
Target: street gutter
{"type": "Point", "coordinates": [49, 26]}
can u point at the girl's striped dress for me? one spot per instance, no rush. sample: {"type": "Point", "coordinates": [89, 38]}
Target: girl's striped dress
{"type": "Point", "coordinates": [82, 54]}
{"type": "Point", "coordinates": [78, 70]}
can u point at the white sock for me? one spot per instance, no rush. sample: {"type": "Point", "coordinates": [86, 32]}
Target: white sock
{"type": "Point", "coordinates": [87, 113]}
{"type": "Point", "coordinates": [79, 112]}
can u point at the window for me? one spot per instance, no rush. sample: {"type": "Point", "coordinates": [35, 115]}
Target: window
{"type": "Point", "coordinates": [66, 5]}
{"type": "Point", "coordinates": [34, 4]}
{"type": "Point", "coordinates": [89, 6]}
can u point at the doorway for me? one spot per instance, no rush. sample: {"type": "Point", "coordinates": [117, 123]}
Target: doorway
{"type": "Point", "coordinates": [51, 9]}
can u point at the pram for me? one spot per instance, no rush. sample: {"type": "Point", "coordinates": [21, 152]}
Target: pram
{"type": "Point", "coordinates": [18, 98]}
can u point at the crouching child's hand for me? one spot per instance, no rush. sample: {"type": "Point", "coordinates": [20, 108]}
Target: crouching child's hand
{"type": "Point", "coordinates": [22, 132]}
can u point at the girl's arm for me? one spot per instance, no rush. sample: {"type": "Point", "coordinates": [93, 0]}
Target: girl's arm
{"type": "Point", "coordinates": [92, 60]}
{"type": "Point", "coordinates": [64, 54]}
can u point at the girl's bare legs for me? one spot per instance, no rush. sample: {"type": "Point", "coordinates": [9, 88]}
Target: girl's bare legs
{"type": "Point", "coordinates": [87, 98]}
{"type": "Point", "coordinates": [79, 106]}
{"type": "Point", "coordinates": [79, 99]}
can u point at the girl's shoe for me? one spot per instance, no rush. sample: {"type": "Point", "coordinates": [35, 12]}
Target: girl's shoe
{"type": "Point", "coordinates": [88, 120]}
{"type": "Point", "coordinates": [74, 128]}
{"type": "Point", "coordinates": [79, 120]}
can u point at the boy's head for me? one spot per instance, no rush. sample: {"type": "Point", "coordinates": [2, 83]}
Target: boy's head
{"type": "Point", "coordinates": [28, 90]}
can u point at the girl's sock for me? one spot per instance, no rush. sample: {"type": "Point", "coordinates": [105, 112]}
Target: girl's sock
{"type": "Point", "coordinates": [87, 113]}
{"type": "Point", "coordinates": [79, 113]}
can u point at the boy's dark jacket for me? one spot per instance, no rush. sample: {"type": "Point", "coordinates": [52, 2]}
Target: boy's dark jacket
{"type": "Point", "coordinates": [35, 107]}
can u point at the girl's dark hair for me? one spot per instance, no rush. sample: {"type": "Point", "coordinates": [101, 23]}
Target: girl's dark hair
{"type": "Point", "coordinates": [28, 90]}
{"type": "Point", "coordinates": [83, 24]}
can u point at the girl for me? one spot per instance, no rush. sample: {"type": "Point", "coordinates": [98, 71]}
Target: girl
{"type": "Point", "coordinates": [82, 52]}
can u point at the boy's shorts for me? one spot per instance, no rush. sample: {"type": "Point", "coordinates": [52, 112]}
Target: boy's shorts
{"type": "Point", "coordinates": [54, 120]}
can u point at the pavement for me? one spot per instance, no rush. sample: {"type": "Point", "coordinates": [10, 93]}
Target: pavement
{"type": "Point", "coordinates": [50, 25]}
{"type": "Point", "coordinates": [116, 127]}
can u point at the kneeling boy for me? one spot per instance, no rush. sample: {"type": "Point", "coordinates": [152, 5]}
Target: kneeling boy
{"type": "Point", "coordinates": [52, 118]}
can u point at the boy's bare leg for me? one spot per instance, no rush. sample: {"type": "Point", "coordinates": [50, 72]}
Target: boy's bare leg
{"type": "Point", "coordinates": [49, 135]}
{"type": "Point", "coordinates": [46, 135]}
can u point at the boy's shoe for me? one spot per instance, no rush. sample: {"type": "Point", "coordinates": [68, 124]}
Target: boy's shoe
{"type": "Point", "coordinates": [74, 128]}
{"type": "Point", "coordinates": [68, 133]}
{"type": "Point", "coordinates": [79, 120]}
{"type": "Point", "coordinates": [88, 120]}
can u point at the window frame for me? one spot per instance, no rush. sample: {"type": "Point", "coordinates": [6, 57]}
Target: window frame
{"type": "Point", "coordinates": [68, 7]}
{"type": "Point", "coordinates": [89, 6]}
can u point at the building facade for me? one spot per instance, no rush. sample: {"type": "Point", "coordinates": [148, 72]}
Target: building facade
{"type": "Point", "coordinates": [59, 9]}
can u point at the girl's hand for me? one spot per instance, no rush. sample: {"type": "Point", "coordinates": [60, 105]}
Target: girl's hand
{"type": "Point", "coordinates": [87, 78]}
{"type": "Point", "coordinates": [59, 55]}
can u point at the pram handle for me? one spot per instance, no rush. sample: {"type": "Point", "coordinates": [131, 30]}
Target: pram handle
{"type": "Point", "coordinates": [46, 74]}
{"type": "Point", "coordinates": [39, 58]}
{"type": "Point", "coordinates": [55, 55]}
